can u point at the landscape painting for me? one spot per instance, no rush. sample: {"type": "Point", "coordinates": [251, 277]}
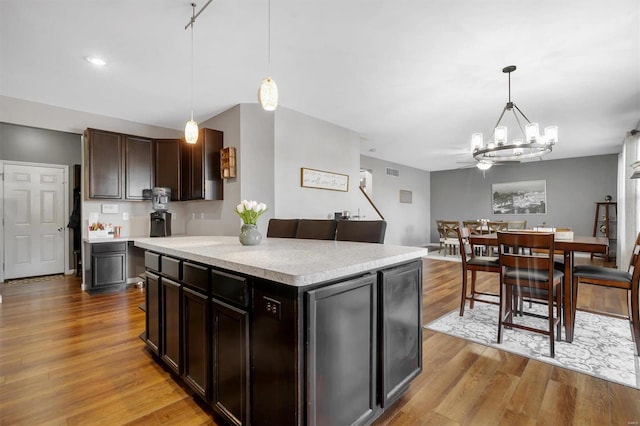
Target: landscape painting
{"type": "Point", "coordinates": [527, 197]}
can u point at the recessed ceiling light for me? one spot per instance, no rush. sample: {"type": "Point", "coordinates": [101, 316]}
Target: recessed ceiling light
{"type": "Point", "coordinates": [96, 61]}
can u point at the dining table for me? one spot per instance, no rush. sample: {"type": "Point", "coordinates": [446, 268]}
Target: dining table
{"type": "Point", "coordinates": [569, 246]}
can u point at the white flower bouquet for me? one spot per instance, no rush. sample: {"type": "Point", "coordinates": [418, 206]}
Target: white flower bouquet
{"type": "Point", "coordinates": [250, 211]}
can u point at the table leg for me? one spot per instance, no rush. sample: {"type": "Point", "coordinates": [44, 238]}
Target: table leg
{"type": "Point", "coordinates": [568, 295]}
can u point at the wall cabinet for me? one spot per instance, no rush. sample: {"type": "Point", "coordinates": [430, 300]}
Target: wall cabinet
{"type": "Point", "coordinates": [107, 266]}
{"type": "Point", "coordinates": [200, 172]}
{"type": "Point", "coordinates": [168, 165]}
{"type": "Point", "coordinates": [118, 166]}
{"type": "Point", "coordinates": [104, 166]}
{"type": "Point", "coordinates": [138, 166]}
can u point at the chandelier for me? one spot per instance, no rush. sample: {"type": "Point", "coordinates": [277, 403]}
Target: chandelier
{"type": "Point", "coordinates": [528, 143]}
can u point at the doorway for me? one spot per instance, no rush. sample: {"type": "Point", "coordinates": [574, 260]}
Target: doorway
{"type": "Point", "coordinates": [35, 208]}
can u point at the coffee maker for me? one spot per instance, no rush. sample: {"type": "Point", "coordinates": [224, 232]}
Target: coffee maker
{"type": "Point", "coordinates": [160, 217]}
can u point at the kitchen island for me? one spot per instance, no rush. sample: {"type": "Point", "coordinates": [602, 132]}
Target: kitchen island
{"type": "Point", "coordinates": [289, 332]}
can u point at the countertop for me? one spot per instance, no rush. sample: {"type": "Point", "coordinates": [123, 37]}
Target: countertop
{"type": "Point", "coordinates": [290, 261]}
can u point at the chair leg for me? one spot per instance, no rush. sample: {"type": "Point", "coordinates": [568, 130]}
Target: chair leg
{"type": "Point", "coordinates": [464, 292]}
{"type": "Point", "coordinates": [552, 339]}
{"type": "Point", "coordinates": [500, 313]}
{"type": "Point", "coordinates": [473, 289]}
{"type": "Point", "coordinates": [559, 309]}
{"type": "Point", "coordinates": [634, 314]}
{"type": "Point", "coordinates": [574, 301]}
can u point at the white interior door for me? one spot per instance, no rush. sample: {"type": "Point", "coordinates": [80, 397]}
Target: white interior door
{"type": "Point", "coordinates": [34, 222]}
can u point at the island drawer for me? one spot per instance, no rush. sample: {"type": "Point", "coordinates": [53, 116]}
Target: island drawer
{"type": "Point", "coordinates": [170, 267]}
{"type": "Point", "coordinates": [196, 276]}
{"type": "Point", "coordinates": [109, 247]}
{"type": "Point", "coordinates": [232, 288]}
{"type": "Point", "coordinates": [152, 261]}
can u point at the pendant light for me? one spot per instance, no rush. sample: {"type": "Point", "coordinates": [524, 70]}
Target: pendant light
{"type": "Point", "coordinates": [268, 92]}
{"type": "Point", "coordinates": [191, 128]}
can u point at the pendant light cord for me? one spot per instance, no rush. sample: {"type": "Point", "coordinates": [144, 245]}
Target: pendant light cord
{"type": "Point", "coordinates": [193, 21]}
{"type": "Point", "coordinates": [269, 36]}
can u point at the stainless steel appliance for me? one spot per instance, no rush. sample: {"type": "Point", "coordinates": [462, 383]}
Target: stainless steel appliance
{"type": "Point", "coordinates": [160, 217]}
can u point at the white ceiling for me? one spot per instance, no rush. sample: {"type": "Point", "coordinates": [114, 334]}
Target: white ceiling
{"type": "Point", "coordinates": [414, 77]}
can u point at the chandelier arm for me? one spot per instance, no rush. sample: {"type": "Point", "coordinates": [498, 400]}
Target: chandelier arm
{"type": "Point", "coordinates": [525, 117]}
{"type": "Point", "coordinates": [506, 107]}
{"type": "Point", "coordinates": [518, 121]}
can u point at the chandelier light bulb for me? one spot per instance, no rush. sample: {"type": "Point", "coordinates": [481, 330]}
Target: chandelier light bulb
{"type": "Point", "coordinates": [532, 132]}
{"type": "Point", "coordinates": [483, 166]}
{"type": "Point", "coordinates": [551, 133]}
{"type": "Point", "coordinates": [268, 94]}
{"type": "Point", "coordinates": [191, 131]}
{"type": "Point", "coordinates": [476, 141]}
{"type": "Point", "coordinates": [501, 135]}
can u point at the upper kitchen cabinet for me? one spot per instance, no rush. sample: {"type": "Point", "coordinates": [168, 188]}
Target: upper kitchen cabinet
{"type": "Point", "coordinates": [104, 163]}
{"type": "Point", "coordinates": [200, 167]}
{"type": "Point", "coordinates": [139, 168]}
{"type": "Point", "coordinates": [118, 166]}
{"type": "Point", "coordinates": [167, 165]}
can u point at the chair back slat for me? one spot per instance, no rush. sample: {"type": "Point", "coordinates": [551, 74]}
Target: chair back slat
{"type": "Point", "coordinates": [511, 253]}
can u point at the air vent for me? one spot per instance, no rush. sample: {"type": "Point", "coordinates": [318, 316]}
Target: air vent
{"type": "Point", "coordinates": [393, 172]}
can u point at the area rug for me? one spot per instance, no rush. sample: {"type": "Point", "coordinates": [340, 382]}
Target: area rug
{"type": "Point", "coordinates": [602, 346]}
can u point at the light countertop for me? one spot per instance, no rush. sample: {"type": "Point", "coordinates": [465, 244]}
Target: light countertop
{"type": "Point", "coordinates": [291, 261]}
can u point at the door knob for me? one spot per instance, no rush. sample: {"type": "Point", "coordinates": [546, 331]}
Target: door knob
{"type": "Point", "coordinates": [60, 228]}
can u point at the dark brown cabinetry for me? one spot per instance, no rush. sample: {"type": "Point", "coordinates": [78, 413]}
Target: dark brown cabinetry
{"type": "Point", "coordinates": [104, 168]}
{"type": "Point", "coordinates": [118, 166]}
{"type": "Point", "coordinates": [107, 266]}
{"type": "Point", "coordinates": [335, 351]}
{"type": "Point", "coordinates": [401, 332]}
{"type": "Point", "coordinates": [201, 167]}
{"type": "Point", "coordinates": [196, 325]}
{"type": "Point", "coordinates": [153, 311]}
{"type": "Point", "coordinates": [171, 343]}
{"type": "Point", "coordinates": [139, 170]}
{"type": "Point", "coordinates": [230, 391]}
{"type": "Point", "coordinates": [168, 165]}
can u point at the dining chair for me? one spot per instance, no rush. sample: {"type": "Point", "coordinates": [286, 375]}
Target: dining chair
{"type": "Point", "coordinates": [282, 228]}
{"type": "Point", "coordinates": [475, 228]}
{"type": "Point", "coordinates": [516, 224]}
{"type": "Point", "coordinates": [529, 275]}
{"type": "Point", "coordinates": [450, 231]}
{"type": "Point", "coordinates": [613, 278]}
{"type": "Point", "coordinates": [364, 231]}
{"type": "Point", "coordinates": [473, 263]}
{"type": "Point", "coordinates": [440, 234]}
{"type": "Point", "coordinates": [492, 228]}
{"type": "Point", "coordinates": [317, 229]}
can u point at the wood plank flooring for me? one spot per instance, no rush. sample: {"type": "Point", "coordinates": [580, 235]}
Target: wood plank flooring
{"type": "Point", "coordinates": [70, 358]}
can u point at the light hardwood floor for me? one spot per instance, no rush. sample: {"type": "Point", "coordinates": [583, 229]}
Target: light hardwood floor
{"type": "Point", "coordinates": [70, 358]}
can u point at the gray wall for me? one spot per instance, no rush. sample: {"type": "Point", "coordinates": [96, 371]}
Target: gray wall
{"type": "Point", "coordinates": [32, 145]}
{"type": "Point", "coordinates": [407, 223]}
{"type": "Point", "coordinates": [573, 186]}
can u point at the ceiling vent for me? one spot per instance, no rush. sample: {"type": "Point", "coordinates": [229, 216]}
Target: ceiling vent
{"type": "Point", "coordinates": [393, 172]}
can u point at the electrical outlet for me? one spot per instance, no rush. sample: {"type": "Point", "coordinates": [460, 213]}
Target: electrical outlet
{"type": "Point", "coordinates": [271, 307]}
{"type": "Point", "coordinates": [125, 216]}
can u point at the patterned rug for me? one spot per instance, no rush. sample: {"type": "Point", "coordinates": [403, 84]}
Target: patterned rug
{"type": "Point", "coordinates": [602, 346]}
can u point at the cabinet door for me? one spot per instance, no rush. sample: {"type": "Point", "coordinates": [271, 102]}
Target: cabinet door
{"type": "Point", "coordinates": [171, 344]}
{"type": "Point", "coordinates": [167, 165]}
{"type": "Point", "coordinates": [104, 151]}
{"type": "Point", "coordinates": [139, 168]}
{"type": "Point", "coordinates": [152, 316]}
{"type": "Point", "coordinates": [230, 350]}
{"type": "Point", "coordinates": [342, 353]}
{"type": "Point", "coordinates": [109, 269]}
{"type": "Point", "coordinates": [200, 172]}
{"type": "Point", "coordinates": [195, 311]}
{"type": "Point", "coordinates": [401, 312]}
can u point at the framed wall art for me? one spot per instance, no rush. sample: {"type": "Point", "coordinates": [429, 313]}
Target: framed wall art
{"type": "Point", "coordinates": [312, 178]}
{"type": "Point", "coordinates": [526, 197]}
